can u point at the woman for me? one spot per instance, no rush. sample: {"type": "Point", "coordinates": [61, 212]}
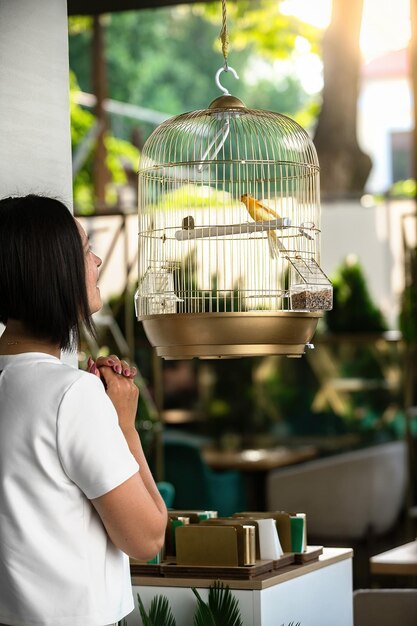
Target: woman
{"type": "Point", "coordinates": [76, 493]}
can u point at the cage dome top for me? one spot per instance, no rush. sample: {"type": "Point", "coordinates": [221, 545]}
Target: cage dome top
{"type": "Point", "coordinates": [228, 131]}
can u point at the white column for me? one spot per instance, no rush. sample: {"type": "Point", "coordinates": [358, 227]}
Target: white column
{"type": "Point", "coordinates": [35, 145]}
{"type": "Point", "coordinates": [35, 139]}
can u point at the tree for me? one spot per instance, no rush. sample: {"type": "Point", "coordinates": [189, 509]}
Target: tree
{"type": "Point", "coordinates": [121, 157]}
{"type": "Point", "coordinates": [166, 59]}
{"type": "Point", "coordinates": [344, 167]}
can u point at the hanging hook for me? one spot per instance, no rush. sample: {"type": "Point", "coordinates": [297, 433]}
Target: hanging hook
{"type": "Point", "coordinates": [227, 68]}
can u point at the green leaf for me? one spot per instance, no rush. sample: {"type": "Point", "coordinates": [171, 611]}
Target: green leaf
{"type": "Point", "coordinates": [222, 608]}
{"type": "Point", "coordinates": [159, 612]}
{"type": "Point", "coordinates": [145, 619]}
{"type": "Point", "coordinates": [203, 615]}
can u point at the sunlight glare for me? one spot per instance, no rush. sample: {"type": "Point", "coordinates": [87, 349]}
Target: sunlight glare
{"type": "Point", "coordinates": [315, 12]}
{"type": "Point", "coordinates": [385, 26]}
{"type": "Point", "coordinates": [385, 23]}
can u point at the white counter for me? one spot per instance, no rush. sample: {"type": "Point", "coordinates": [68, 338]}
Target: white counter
{"type": "Point", "coordinates": [318, 593]}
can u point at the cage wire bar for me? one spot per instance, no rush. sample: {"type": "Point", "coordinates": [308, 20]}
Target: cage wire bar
{"type": "Point", "coordinates": [229, 231]}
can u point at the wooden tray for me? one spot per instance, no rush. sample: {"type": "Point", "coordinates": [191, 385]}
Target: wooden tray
{"type": "Point", "coordinates": [288, 558]}
{"type": "Point", "coordinates": [145, 569]}
{"type": "Point", "coordinates": [245, 572]}
{"type": "Point", "coordinates": [311, 554]}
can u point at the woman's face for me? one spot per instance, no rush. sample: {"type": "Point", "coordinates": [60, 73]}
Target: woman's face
{"type": "Point", "coordinates": [92, 263]}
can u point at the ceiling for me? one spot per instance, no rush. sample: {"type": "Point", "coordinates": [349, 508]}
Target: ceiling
{"type": "Point", "coordinates": [94, 7]}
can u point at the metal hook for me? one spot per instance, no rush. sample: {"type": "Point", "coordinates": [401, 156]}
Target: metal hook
{"type": "Point", "coordinates": [223, 69]}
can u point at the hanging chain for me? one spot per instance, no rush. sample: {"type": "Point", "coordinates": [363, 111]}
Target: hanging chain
{"type": "Point", "coordinates": [224, 35]}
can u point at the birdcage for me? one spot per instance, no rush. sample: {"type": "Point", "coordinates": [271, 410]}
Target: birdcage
{"type": "Point", "coordinates": [229, 235]}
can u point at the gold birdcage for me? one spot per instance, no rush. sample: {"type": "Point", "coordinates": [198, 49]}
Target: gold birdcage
{"type": "Point", "coordinates": [229, 234]}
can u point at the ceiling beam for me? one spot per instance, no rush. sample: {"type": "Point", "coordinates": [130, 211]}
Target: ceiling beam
{"type": "Point", "coordinates": [95, 7]}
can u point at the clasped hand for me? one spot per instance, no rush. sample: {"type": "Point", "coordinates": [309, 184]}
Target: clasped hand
{"type": "Point", "coordinates": [118, 379]}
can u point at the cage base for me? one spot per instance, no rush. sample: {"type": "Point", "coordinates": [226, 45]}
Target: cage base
{"type": "Point", "coordinates": [230, 335]}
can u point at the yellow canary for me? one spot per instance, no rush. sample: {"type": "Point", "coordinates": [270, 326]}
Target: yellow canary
{"type": "Point", "coordinates": [262, 213]}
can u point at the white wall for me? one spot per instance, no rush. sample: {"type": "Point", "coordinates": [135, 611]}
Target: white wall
{"type": "Point", "coordinates": [35, 139]}
{"type": "Point", "coordinates": [384, 106]}
{"type": "Point", "coordinates": [373, 234]}
{"type": "Point", "coordinates": [35, 146]}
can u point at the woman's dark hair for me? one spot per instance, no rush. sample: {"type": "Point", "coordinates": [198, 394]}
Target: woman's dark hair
{"type": "Point", "coordinates": [42, 269]}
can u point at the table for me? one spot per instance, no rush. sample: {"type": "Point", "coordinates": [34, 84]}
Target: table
{"type": "Point", "coordinates": [398, 561]}
{"type": "Point", "coordinates": [318, 593]}
{"type": "Point", "coordinates": [255, 464]}
{"type": "Point", "coordinates": [257, 460]}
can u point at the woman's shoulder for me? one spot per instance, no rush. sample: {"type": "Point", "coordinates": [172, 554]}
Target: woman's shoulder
{"type": "Point", "coordinates": [46, 370]}
{"type": "Point", "coordinates": [37, 381]}
{"type": "Point", "coordinates": [77, 387]}
{"type": "Point", "coordinates": [82, 390]}
{"type": "Point", "coordinates": [81, 379]}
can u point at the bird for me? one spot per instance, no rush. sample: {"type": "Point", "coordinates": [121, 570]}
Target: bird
{"type": "Point", "coordinates": [262, 213]}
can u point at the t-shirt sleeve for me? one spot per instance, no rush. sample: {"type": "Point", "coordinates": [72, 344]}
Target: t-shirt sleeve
{"type": "Point", "coordinates": [91, 445]}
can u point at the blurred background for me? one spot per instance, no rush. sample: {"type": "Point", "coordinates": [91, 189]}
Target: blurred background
{"type": "Point", "coordinates": [345, 70]}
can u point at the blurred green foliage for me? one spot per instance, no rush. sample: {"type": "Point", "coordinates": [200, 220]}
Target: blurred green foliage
{"type": "Point", "coordinates": [403, 189]}
{"type": "Point", "coordinates": [408, 313]}
{"type": "Point", "coordinates": [195, 196]}
{"type": "Point", "coordinates": [165, 59]}
{"type": "Point", "coordinates": [122, 156]}
{"type": "Point", "coordinates": [353, 308]}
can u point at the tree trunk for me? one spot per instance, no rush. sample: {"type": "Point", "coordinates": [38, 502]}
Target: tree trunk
{"type": "Point", "coordinates": [99, 80]}
{"type": "Point", "coordinates": [344, 167]}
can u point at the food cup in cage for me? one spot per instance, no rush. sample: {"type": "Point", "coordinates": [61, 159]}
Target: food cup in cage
{"type": "Point", "coordinates": [307, 297]}
{"type": "Point", "coordinates": [155, 294]}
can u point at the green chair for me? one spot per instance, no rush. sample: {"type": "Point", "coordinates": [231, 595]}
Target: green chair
{"type": "Point", "coordinates": [167, 492]}
{"type": "Point", "coordinates": [199, 487]}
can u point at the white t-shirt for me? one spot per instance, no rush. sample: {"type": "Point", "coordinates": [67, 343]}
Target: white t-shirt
{"type": "Point", "coordinates": [60, 446]}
